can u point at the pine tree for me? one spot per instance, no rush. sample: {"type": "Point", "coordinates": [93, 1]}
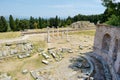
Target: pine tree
{"type": "Point", "coordinates": [12, 23]}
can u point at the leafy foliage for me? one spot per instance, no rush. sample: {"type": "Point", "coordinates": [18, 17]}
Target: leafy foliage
{"type": "Point", "coordinates": [114, 20]}
{"type": "Point", "coordinates": [112, 12]}
{"type": "Point", "coordinates": [12, 23]}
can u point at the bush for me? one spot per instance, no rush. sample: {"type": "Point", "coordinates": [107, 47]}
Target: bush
{"type": "Point", "coordinates": [114, 20]}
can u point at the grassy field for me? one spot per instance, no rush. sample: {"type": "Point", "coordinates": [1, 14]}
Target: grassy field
{"type": "Point", "coordinates": [84, 32]}
{"type": "Point", "coordinates": [9, 35]}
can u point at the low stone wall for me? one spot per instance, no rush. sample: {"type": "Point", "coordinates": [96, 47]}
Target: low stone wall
{"type": "Point", "coordinates": [107, 45]}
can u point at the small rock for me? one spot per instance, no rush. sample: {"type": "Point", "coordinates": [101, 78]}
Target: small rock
{"type": "Point", "coordinates": [45, 56]}
{"type": "Point", "coordinates": [25, 71]}
{"type": "Point", "coordinates": [45, 62]}
{"type": "Point", "coordinates": [40, 49]}
{"type": "Point", "coordinates": [81, 47]}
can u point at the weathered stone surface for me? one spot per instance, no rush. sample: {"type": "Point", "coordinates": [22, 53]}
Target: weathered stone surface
{"type": "Point", "coordinates": [8, 44]}
{"type": "Point", "coordinates": [40, 49]}
{"type": "Point", "coordinates": [82, 24]}
{"type": "Point", "coordinates": [80, 47]}
{"type": "Point", "coordinates": [53, 55]}
{"type": "Point", "coordinates": [106, 45]}
{"type": "Point", "coordinates": [13, 52]}
{"type": "Point", "coordinates": [45, 55]}
{"type": "Point", "coordinates": [4, 53]}
{"type": "Point", "coordinates": [20, 56]}
{"type": "Point", "coordinates": [70, 51]}
{"type": "Point", "coordinates": [0, 53]}
{"type": "Point", "coordinates": [45, 62]}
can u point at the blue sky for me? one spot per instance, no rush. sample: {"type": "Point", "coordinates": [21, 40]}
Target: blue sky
{"type": "Point", "coordinates": [50, 8]}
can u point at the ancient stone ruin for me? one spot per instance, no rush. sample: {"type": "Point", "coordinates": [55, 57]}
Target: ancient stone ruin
{"type": "Point", "coordinates": [82, 24]}
{"type": "Point", "coordinates": [106, 46]}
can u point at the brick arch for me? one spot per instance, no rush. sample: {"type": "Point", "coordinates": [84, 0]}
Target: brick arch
{"type": "Point", "coordinates": [106, 42]}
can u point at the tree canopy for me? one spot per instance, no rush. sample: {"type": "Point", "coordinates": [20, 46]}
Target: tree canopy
{"type": "Point", "coordinates": [112, 12]}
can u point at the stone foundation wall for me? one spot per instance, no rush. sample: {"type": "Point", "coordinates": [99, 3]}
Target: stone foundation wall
{"type": "Point", "coordinates": [107, 45]}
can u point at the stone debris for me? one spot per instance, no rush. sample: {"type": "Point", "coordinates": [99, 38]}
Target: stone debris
{"type": "Point", "coordinates": [13, 52]}
{"type": "Point", "coordinates": [40, 49]}
{"type": "Point", "coordinates": [82, 24]}
{"type": "Point", "coordinates": [45, 55]}
{"type": "Point", "coordinates": [8, 44]}
{"type": "Point", "coordinates": [51, 48]}
{"type": "Point", "coordinates": [45, 62]}
{"type": "Point", "coordinates": [20, 56]}
{"type": "Point", "coordinates": [91, 78]}
{"type": "Point", "coordinates": [16, 49]}
{"type": "Point", "coordinates": [78, 65]}
{"type": "Point", "coordinates": [64, 50]}
{"type": "Point", "coordinates": [83, 76]}
{"type": "Point", "coordinates": [25, 71]}
{"type": "Point", "coordinates": [70, 51]}
{"type": "Point", "coordinates": [53, 55]}
{"type": "Point", "coordinates": [29, 46]}
{"type": "Point", "coordinates": [4, 76]}
{"type": "Point", "coordinates": [4, 53]}
{"type": "Point", "coordinates": [0, 53]}
{"type": "Point", "coordinates": [81, 47]}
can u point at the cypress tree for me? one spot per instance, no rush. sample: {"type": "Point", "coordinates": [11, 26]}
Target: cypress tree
{"type": "Point", "coordinates": [40, 23]}
{"type": "Point", "coordinates": [31, 23]}
{"type": "Point", "coordinates": [3, 24]}
{"type": "Point", "coordinates": [17, 21]}
{"type": "Point", "coordinates": [12, 23]}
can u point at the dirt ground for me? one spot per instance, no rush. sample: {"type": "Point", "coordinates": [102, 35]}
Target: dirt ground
{"type": "Point", "coordinates": [60, 70]}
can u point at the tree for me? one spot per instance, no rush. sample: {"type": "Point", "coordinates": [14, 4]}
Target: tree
{"type": "Point", "coordinates": [23, 24]}
{"type": "Point", "coordinates": [69, 20]}
{"type": "Point", "coordinates": [114, 20]}
{"type": "Point", "coordinates": [56, 21]}
{"type": "Point", "coordinates": [40, 23]}
{"type": "Point", "coordinates": [12, 23]}
{"type": "Point", "coordinates": [31, 23]}
{"type": "Point", "coordinates": [17, 21]}
{"type": "Point", "coordinates": [112, 12]}
{"type": "Point", "coordinates": [3, 24]}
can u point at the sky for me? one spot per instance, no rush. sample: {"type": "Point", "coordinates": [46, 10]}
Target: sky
{"type": "Point", "coordinates": [50, 8]}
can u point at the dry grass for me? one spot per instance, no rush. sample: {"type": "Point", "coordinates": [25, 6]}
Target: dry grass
{"type": "Point", "coordinates": [15, 66]}
{"type": "Point", "coordinates": [84, 32]}
{"type": "Point", "coordinates": [9, 35]}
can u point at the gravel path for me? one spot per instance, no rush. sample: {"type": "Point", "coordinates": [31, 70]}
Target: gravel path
{"type": "Point", "coordinates": [22, 38]}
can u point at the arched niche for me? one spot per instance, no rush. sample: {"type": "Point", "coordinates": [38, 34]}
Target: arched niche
{"type": "Point", "coordinates": [106, 43]}
{"type": "Point", "coordinates": [115, 50]}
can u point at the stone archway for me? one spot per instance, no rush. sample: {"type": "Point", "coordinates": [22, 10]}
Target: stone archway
{"type": "Point", "coordinates": [115, 50]}
{"type": "Point", "coordinates": [106, 43]}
